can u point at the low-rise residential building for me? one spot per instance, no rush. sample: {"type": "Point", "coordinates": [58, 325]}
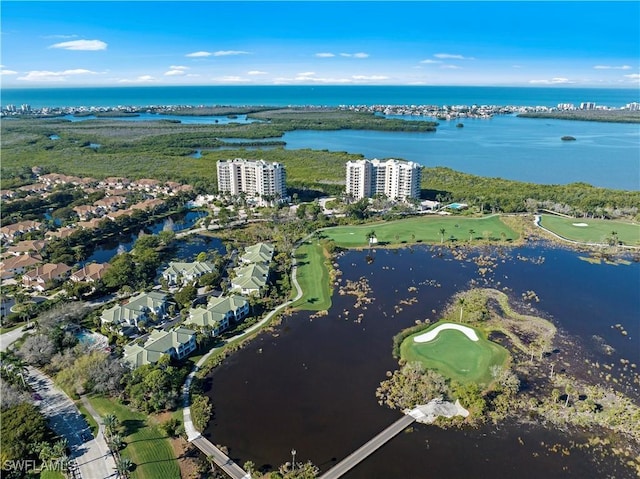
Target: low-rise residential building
{"type": "Point", "coordinates": [261, 253]}
{"type": "Point", "coordinates": [44, 276]}
{"type": "Point", "coordinates": [177, 343]}
{"type": "Point", "coordinates": [16, 265]}
{"type": "Point", "coordinates": [218, 314]}
{"type": "Point", "coordinates": [142, 307]}
{"type": "Point", "coordinates": [183, 273]}
{"type": "Point", "coordinates": [90, 273]}
{"type": "Point", "coordinates": [26, 247]}
{"type": "Point", "coordinates": [13, 231]}
{"type": "Point", "coordinates": [250, 279]}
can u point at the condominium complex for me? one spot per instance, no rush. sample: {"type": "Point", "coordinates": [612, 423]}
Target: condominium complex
{"type": "Point", "coordinates": [253, 177]}
{"type": "Point", "coordinates": [398, 180]}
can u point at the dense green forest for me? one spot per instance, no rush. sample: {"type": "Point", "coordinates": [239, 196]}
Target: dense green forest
{"type": "Point", "coordinates": [607, 116]}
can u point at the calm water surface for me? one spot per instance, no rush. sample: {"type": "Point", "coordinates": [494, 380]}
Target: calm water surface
{"type": "Point", "coordinates": [523, 149]}
{"type": "Point", "coordinates": [311, 384]}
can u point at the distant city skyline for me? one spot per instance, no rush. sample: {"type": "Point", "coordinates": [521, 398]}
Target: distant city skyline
{"type": "Point", "coordinates": [163, 43]}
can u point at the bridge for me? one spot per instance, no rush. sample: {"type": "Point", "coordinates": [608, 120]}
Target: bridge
{"type": "Point", "coordinates": [369, 448]}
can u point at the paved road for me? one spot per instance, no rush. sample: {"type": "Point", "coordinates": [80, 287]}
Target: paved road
{"type": "Point", "coordinates": [6, 339]}
{"type": "Point", "coordinates": [369, 448]}
{"type": "Point", "coordinates": [92, 456]}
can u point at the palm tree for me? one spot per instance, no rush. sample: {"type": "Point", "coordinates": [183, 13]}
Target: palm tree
{"type": "Point", "coordinates": [123, 467]}
{"type": "Point", "coordinates": [111, 423]}
{"type": "Point", "coordinates": [442, 232]}
{"type": "Point", "coordinates": [569, 390]}
{"type": "Point", "coordinates": [471, 233]}
{"type": "Point", "coordinates": [461, 303]}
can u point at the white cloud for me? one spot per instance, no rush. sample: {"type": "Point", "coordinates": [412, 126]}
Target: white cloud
{"type": "Point", "coordinates": [85, 45]}
{"type": "Point", "coordinates": [370, 77]}
{"type": "Point", "coordinates": [633, 76]}
{"type": "Point", "coordinates": [49, 76]}
{"type": "Point", "coordinates": [256, 72]}
{"type": "Point", "coordinates": [306, 74]}
{"type": "Point", "coordinates": [140, 79]}
{"type": "Point", "coordinates": [199, 54]}
{"type": "Point", "coordinates": [7, 72]}
{"type": "Point", "coordinates": [325, 55]}
{"type": "Point", "coordinates": [176, 71]}
{"type": "Point", "coordinates": [429, 61]}
{"type": "Point", "coordinates": [355, 55]}
{"type": "Point", "coordinates": [450, 56]}
{"type": "Point", "coordinates": [553, 81]}
{"type": "Point", "coordinates": [451, 67]}
{"type": "Point", "coordinates": [611, 67]}
{"type": "Point", "coordinates": [224, 53]}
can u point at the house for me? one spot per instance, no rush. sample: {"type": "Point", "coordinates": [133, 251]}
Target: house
{"type": "Point", "coordinates": [44, 275]}
{"type": "Point", "coordinates": [250, 279]}
{"type": "Point", "coordinates": [13, 231]}
{"type": "Point", "coordinates": [261, 253]}
{"type": "Point", "coordinates": [90, 273]}
{"type": "Point", "coordinates": [27, 246]}
{"type": "Point", "coordinates": [143, 307]}
{"type": "Point", "coordinates": [85, 212]}
{"type": "Point", "coordinates": [177, 343]}
{"type": "Point", "coordinates": [61, 233]}
{"type": "Point", "coordinates": [183, 273]}
{"type": "Point", "coordinates": [219, 313]}
{"type": "Point", "coordinates": [16, 265]}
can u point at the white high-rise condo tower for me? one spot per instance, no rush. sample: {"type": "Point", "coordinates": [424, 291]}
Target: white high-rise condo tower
{"type": "Point", "coordinates": [253, 177]}
{"type": "Point", "coordinates": [398, 180]}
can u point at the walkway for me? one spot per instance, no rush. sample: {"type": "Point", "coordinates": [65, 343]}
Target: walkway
{"type": "Point", "coordinates": [92, 458]}
{"type": "Point", "coordinates": [193, 435]}
{"type": "Point", "coordinates": [8, 338]}
{"type": "Point", "coordinates": [369, 448]}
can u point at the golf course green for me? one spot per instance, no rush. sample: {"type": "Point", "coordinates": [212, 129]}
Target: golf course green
{"type": "Point", "coordinates": [453, 353]}
{"type": "Point", "coordinates": [590, 230]}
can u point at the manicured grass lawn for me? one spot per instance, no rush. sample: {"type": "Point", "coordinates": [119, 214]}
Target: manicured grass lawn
{"type": "Point", "coordinates": [597, 231]}
{"type": "Point", "coordinates": [313, 277]}
{"type": "Point", "coordinates": [455, 356]}
{"type": "Point", "coordinates": [424, 229]}
{"type": "Point", "coordinates": [87, 417]}
{"type": "Point", "coordinates": [147, 446]}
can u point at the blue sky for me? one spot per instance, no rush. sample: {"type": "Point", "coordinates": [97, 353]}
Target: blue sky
{"type": "Point", "coordinates": [123, 43]}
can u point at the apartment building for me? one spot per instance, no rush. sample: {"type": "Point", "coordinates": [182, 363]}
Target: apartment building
{"type": "Point", "coordinates": [253, 177]}
{"type": "Point", "coordinates": [398, 180]}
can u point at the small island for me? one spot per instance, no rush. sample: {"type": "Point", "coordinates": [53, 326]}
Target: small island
{"type": "Point", "coordinates": [568, 138]}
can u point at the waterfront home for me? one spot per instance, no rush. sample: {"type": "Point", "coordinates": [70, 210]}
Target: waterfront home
{"type": "Point", "coordinates": [61, 233]}
{"type": "Point", "coordinates": [261, 253]}
{"type": "Point", "coordinates": [183, 273]}
{"type": "Point", "coordinates": [43, 277]}
{"type": "Point", "coordinates": [250, 279]}
{"type": "Point", "coordinates": [144, 307]}
{"type": "Point", "coordinates": [218, 314]}
{"type": "Point", "coordinates": [90, 273]}
{"type": "Point", "coordinates": [177, 343]}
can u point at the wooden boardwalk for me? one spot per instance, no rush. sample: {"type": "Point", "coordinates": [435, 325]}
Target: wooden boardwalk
{"type": "Point", "coordinates": [369, 448]}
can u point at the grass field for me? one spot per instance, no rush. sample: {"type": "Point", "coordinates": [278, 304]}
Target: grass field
{"type": "Point", "coordinates": [424, 229]}
{"type": "Point", "coordinates": [597, 231]}
{"type": "Point", "coordinates": [455, 356]}
{"type": "Point", "coordinates": [147, 446]}
{"type": "Point", "coordinates": [313, 277]}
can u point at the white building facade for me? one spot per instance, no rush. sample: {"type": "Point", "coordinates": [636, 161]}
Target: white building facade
{"type": "Point", "coordinates": [397, 180]}
{"type": "Point", "coordinates": [252, 177]}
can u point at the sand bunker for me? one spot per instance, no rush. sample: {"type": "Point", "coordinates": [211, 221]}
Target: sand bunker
{"type": "Point", "coordinates": [428, 336]}
{"type": "Point", "coordinates": [581, 225]}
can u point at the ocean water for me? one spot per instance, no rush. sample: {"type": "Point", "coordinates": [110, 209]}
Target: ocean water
{"type": "Point", "coordinates": [314, 95]}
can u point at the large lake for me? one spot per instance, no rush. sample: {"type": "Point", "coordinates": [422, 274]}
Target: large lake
{"type": "Point", "coordinates": [523, 149]}
{"type": "Point", "coordinates": [310, 385]}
